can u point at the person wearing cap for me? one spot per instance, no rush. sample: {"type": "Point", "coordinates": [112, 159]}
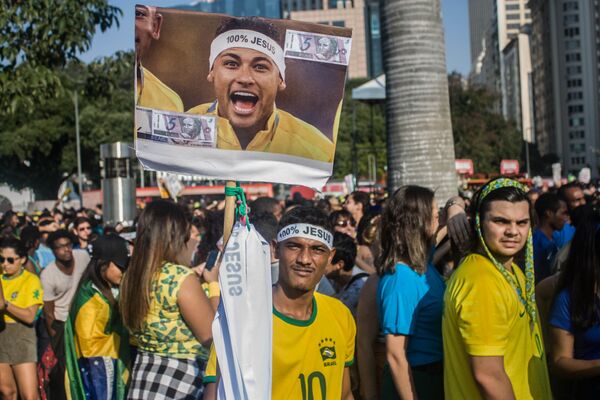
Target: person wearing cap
{"type": "Point", "coordinates": [313, 334]}
{"type": "Point", "coordinates": [96, 343]}
{"type": "Point", "coordinates": [247, 70]}
{"type": "Point", "coordinates": [151, 92]}
{"type": "Point", "coordinates": [492, 340]}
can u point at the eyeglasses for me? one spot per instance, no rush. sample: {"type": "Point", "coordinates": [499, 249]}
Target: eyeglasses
{"type": "Point", "coordinates": [10, 260]}
{"type": "Point", "coordinates": [345, 222]}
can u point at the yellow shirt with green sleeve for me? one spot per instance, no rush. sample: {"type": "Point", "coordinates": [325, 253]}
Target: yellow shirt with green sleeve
{"type": "Point", "coordinates": [483, 316]}
{"type": "Point", "coordinates": [153, 93]}
{"type": "Point", "coordinates": [284, 134]}
{"type": "Point", "coordinates": [309, 357]}
{"type": "Point", "coordinates": [164, 331]}
{"type": "Point", "coordinates": [23, 290]}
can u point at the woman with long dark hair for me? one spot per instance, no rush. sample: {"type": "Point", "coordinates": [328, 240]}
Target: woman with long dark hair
{"type": "Point", "coordinates": [164, 307]}
{"type": "Point", "coordinates": [96, 343]}
{"type": "Point", "coordinates": [20, 301]}
{"type": "Point", "coordinates": [575, 316]}
{"type": "Point", "coordinates": [410, 297]}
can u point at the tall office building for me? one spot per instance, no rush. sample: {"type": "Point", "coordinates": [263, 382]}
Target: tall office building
{"type": "Point", "coordinates": [517, 90]}
{"type": "Point", "coordinates": [246, 8]}
{"type": "Point", "coordinates": [343, 13]}
{"type": "Point", "coordinates": [503, 63]}
{"type": "Point", "coordinates": [481, 13]}
{"type": "Point", "coordinates": [493, 24]}
{"type": "Point", "coordinates": [566, 60]}
{"type": "Point", "coordinates": [509, 17]}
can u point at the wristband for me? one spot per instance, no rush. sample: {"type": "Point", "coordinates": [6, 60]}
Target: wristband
{"type": "Point", "coordinates": [213, 289]}
{"type": "Point", "coordinates": [454, 203]}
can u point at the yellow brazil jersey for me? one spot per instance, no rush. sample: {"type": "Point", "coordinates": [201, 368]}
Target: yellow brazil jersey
{"type": "Point", "coordinates": [483, 316]}
{"type": "Point", "coordinates": [309, 357]}
{"type": "Point", "coordinates": [152, 93]}
{"type": "Point", "coordinates": [23, 290]}
{"type": "Point", "coordinates": [90, 326]}
{"type": "Point", "coordinates": [284, 134]}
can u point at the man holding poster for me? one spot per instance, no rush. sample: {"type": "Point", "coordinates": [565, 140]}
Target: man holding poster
{"type": "Point", "coordinates": [247, 70]}
{"type": "Point", "coordinates": [313, 334]}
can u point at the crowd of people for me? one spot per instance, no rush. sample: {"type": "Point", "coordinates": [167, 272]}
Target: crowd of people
{"type": "Point", "coordinates": [493, 296]}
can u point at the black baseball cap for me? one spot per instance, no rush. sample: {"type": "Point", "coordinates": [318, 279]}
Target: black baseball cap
{"type": "Point", "coordinates": [111, 248]}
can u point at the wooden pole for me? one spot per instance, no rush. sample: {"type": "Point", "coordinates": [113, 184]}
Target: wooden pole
{"type": "Point", "coordinates": [229, 214]}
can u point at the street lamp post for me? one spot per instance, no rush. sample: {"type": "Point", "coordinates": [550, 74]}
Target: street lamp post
{"type": "Point", "coordinates": [527, 158]}
{"type": "Point", "coordinates": [78, 143]}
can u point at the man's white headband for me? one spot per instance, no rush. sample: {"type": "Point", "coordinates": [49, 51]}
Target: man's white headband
{"type": "Point", "coordinates": [250, 40]}
{"type": "Point", "coordinates": [306, 231]}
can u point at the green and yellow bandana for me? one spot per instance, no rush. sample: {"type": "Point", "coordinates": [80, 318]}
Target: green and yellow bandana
{"type": "Point", "coordinates": [527, 298]}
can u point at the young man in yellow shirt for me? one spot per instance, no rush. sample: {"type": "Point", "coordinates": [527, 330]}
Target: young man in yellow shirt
{"type": "Point", "coordinates": [247, 70]}
{"type": "Point", "coordinates": [313, 334]}
{"type": "Point", "coordinates": [493, 347]}
{"type": "Point", "coordinates": [151, 92]}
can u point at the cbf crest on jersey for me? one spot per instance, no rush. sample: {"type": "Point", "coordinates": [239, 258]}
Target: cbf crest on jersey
{"type": "Point", "coordinates": [328, 353]}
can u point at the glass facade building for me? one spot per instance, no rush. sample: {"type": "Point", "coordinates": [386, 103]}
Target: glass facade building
{"type": "Point", "coordinates": [245, 8]}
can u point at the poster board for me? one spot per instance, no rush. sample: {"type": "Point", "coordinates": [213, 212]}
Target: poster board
{"type": "Point", "coordinates": [246, 99]}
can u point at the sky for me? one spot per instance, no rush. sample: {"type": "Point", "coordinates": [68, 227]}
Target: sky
{"type": "Point", "coordinates": [455, 16]}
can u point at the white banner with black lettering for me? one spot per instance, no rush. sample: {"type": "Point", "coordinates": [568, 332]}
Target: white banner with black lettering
{"type": "Point", "coordinates": [242, 329]}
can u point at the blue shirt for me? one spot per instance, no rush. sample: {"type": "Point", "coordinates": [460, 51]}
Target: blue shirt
{"type": "Point", "coordinates": [564, 236]}
{"type": "Point", "coordinates": [411, 304]}
{"type": "Point", "coordinates": [544, 251]}
{"type": "Point", "coordinates": [587, 342]}
{"type": "Point", "coordinates": [43, 256]}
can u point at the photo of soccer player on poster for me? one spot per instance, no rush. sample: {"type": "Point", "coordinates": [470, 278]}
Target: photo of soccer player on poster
{"type": "Point", "coordinates": [274, 87]}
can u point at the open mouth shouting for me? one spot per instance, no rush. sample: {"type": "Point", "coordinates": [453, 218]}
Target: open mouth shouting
{"type": "Point", "coordinates": [244, 103]}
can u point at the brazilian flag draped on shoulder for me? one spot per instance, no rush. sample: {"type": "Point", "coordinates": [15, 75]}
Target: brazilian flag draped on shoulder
{"type": "Point", "coordinates": [96, 348]}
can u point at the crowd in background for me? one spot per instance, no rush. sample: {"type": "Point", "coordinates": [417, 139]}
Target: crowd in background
{"type": "Point", "coordinates": [97, 311]}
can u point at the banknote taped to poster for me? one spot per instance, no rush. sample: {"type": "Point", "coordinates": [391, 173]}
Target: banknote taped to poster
{"type": "Point", "coordinates": [176, 128]}
{"type": "Point", "coordinates": [315, 47]}
{"type": "Point", "coordinates": [238, 98]}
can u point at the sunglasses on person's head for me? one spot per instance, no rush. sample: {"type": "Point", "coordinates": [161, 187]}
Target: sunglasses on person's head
{"type": "Point", "coordinates": [10, 260]}
{"type": "Point", "coordinates": [342, 223]}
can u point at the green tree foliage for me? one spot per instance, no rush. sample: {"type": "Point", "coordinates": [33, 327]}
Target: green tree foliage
{"type": "Point", "coordinates": [480, 134]}
{"type": "Point", "coordinates": [37, 148]}
{"type": "Point", "coordinates": [39, 36]}
{"type": "Point", "coordinates": [370, 136]}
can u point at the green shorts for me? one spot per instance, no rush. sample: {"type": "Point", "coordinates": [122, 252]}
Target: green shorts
{"type": "Point", "coordinates": [17, 344]}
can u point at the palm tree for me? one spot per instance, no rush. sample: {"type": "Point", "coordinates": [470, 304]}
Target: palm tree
{"type": "Point", "coordinates": [419, 131]}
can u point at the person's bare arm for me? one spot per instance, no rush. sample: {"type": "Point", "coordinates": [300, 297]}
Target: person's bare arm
{"type": "Point", "coordinates": [367, 325]}
{"type": "Point", "coordinates": [562, 361]}
{"type": "Point", "coordinates": [346, 387]}
{"type": "Point", "coordinates": [26, 315]}
{"type": "Point", "coordinates": [491, 378]}
{"type": "Point", "coordinates": [49, 316]}
{"type": "Point", "coordinates": [210, 277]}
{"type": "Point", "coordinates": [196, 309]}
{"type": "Point", "coordinates": [210, 391]}
{"type": "Point", "coordinates": [364, 259]}
{"type": "Point", "coordinates": [395, 352]}
{"type": "Point", "coordinates": [544, 294]}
